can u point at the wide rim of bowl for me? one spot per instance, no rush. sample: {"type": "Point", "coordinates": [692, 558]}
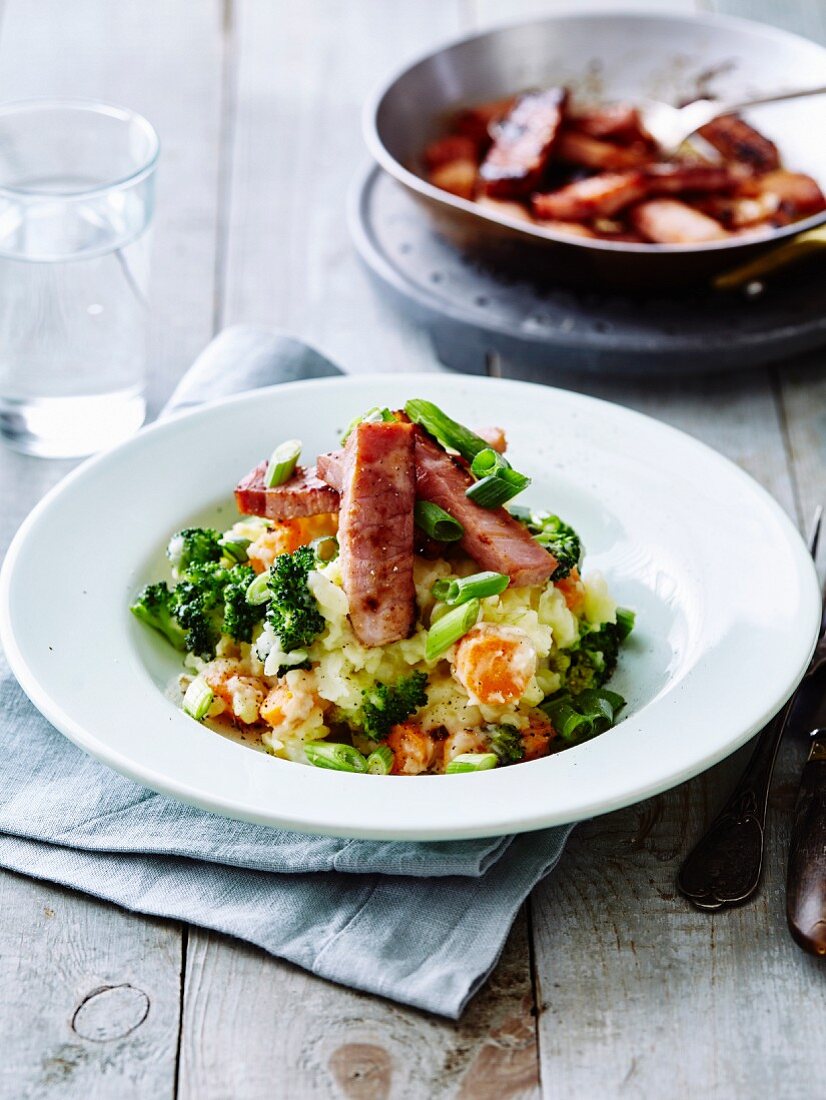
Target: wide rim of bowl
{"type": "Point", "coordinates": [382, 155]}
{"type": "Point", "coordinates": [320, 782]}
{"type": "Point", "coordinates": [84, 106]}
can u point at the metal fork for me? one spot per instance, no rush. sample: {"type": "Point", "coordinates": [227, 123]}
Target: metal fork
{"type": "Point", "coordinates": [724, 868]}
{"type": "Point", "coordinates": [671, 126]}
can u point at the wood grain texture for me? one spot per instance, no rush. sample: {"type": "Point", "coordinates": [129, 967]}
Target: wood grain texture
{"type": "Point", "coordinates": [90, 997]}
{"type": "Point", "coordinates": [303, 73]}
{"type": "Point", "coordinates": [255, 1027]}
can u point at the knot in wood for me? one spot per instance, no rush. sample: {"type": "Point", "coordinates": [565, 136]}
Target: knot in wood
{"type": "Point", "coordinates": [363, 1071]}
{"type": "Point", "coordinates": [110, 1012]}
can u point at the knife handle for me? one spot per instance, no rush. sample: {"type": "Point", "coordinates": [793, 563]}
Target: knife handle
{"type": "Point", "coordinates": [806, 877]}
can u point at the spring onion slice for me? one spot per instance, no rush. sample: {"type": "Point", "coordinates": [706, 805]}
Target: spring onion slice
{"type": "Point", "coordinates": [325, 548]}
{"type": "Point", "coordinates": [334, 756]}
{"type": "Point", "coordinates": [488, 462]}
{"type": "Point", "coordinates": [578, 717]}
{"type": "Point", "coordinates": [461, 589]}
{"type": "Point", "coordinates": [380, 761]}
{"type": "Point", "coordinates": [282, 463]}
{"type": "Point", "coordinates": [472, 762]}
{"type": "Point", "coordinates": [259, 589]}
{"type": "Point", "coordinates": [449, 433]}
{"type": "Point", "coordinates": [492, 491]}
{"type": "Point", "coordinates": [373, 416]}
{"type": "Point", "coordinates": [197, 699]}
{"type": "Point", "coordinates": [436, 522]}
{"type": "Point", "coordinates": [235, 548]}
{"type": "Point", "coordinates": [450, 628]}
{"type": "Point", "coordinates": [625, 622]}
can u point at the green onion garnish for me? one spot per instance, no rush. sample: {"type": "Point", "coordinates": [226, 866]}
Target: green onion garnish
{"type": "Point", "coordinates": [450, 434]}
{"type": "Point", "coordinates": [488, 462]}
{"type": "Point", "coordinates": [436, 522]}
{"type": "Point", "coordinates": [493, 491]}
{"type": "Point", "coordinates": [373, 416]}
{"type": "Point", "coordinates": [461, 589]}
{"type": "Point", "coordinates": [325, 548]}
{"type": "Point", "coordinates": [450, 628]}
{"type": "Point", "coordinates": [197, 699]}
{"type": "Point", "coordinates": [235, 548]}
{"type": "Point", "coordinates": [259, 589]}
{"type": "Point", "coordinates": [336, 757]}
{"type": "Point", "coordinates": [472, 762]}
{"type": "Point", "coordinates": [380, 761]}
{"type": "Point", "coordinates": [578, 717]}
{"type": "Point", "coordinates": [282, 463]}
{"type": "Point", "coordinates": [625, 622]}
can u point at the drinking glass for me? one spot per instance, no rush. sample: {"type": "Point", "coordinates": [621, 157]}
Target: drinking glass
{"type": "Point", "coordinates": [76, 200]}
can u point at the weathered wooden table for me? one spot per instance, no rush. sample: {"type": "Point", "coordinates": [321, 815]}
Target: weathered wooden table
{"type": "Point", "coordinates": [610, 985]}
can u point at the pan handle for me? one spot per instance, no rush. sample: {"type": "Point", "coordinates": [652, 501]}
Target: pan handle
{"type": "Point", "coordinates": [790, 252]}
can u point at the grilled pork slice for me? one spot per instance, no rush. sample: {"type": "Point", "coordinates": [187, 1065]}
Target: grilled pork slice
{"type": "Point", "coordinates": [447, 149]}
{"type": "Point", "coordinates": [522, 143]}
{"type": "Point", "coordinates": [618, 121]}
{"type": "Point", "coordinates": [797, 195]}
{"type": "Point", "coordinates": [375, 531]}
{"type": "Point", "coordinates": [305, 494]}
{"type": "Point", "coordinates": [493, 538]}
{"type": "Point", "coordinates": [734, 139]}
{"type": "Point", "coordinates": [475, 122]}
{"type": "Point", "coordinates": [590, 152]}
{"type": "Point", "coordinates": [597, 197]}
{"type": "Point", "coordinates": [672, 179]}
{"type": "Point", "coordinates": [666, 221]}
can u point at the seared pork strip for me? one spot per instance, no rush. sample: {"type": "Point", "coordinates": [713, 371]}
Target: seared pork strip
{"type": "Point", "coordinates": [305, 494]}
{"type": "Point", "coordinates": [589, 152]}
{"type": "Point", "coordinates": [597, 197]}
{"type": "Point", "coordinates": [475, 122]}
{"type": "Point", "coordinates": [798, 195]}
{"type": "Point", "coordinates": [493, 538]}
{"type": "Point", "coordinates": [375, 531]}
{"type": "Point", "coordinates": [666, 221]}
{"type": "Point", "coordinates": [673, 179]}
{"type": "Point", "coordinates": [619, 121]}
{"type": "Point", "coordinates": [447, 149]}
{"type": "Point", "coordinates": [458, 177]}
{"type": "Point", "coordinates": [522, 143]}
{"type": "Point", "coordinates": [734, 139]}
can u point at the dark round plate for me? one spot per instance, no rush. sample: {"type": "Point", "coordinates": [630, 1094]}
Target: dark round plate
{"type": "Point", "coordinates": [473, 311]}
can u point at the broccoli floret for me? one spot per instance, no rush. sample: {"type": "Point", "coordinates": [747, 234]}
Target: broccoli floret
{"type": "Point", "coordinates": [386, 705]}
{"type": "Point", "coordinates": [199, 607]}
{"type": "Point", "coordinates": [155, 606]}
{"type": "Point", "coordinates": [192, 547]}
{"type": "Point", "coordinates": [293, 611]}
{"type": "Point", "coordinates": [594, 659]}
{"type": "Point", "coordinates": [239, 616]}
{"type": "Point", "coordinates": [557, 537]}
{"type": "Point", "coordinates": [506, 742]}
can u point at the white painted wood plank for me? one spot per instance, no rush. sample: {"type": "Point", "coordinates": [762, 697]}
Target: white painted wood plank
{"type": "Point", "coordinates": [255, 1027]}
{"type": "Point", "coordinates": [90, 997]}
{"type": "Point", "coordinates": [297, 147]}
{"type": "Point", "coordinates": [58, 948]}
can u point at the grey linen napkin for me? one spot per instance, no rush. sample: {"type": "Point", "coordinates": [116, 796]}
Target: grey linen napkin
{"type": "Point", "coordinates": [420, 923]}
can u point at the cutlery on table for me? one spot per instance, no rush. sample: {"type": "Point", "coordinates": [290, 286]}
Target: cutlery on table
{"type": "Point", "coordinates": [724, 868]}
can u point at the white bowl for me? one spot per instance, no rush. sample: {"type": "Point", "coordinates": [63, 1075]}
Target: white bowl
{"type": "Point", "coordinates": [725, 593]}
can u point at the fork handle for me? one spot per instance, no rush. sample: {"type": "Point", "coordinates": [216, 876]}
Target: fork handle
{"type": "Point", "coordinates": [806, 876]}
{"type": "Point", "coordinates": [724, 868]}
{"type": "Point", "coordinates": [777, 97]}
